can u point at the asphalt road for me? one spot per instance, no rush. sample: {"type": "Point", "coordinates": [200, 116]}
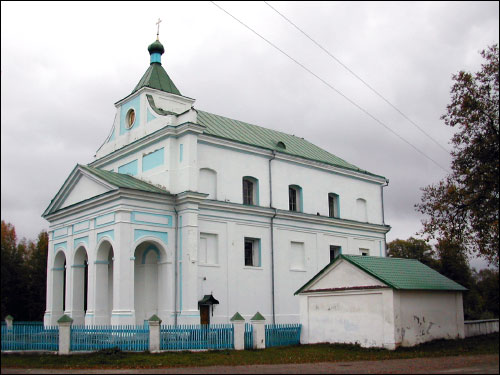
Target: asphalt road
{"type": "Point", "coordinates": [478, 364]}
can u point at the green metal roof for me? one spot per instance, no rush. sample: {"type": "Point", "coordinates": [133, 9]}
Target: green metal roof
{"type": "Point", "coordinates": [398, 273]}
{"type": "Point", "coordinates": [123, 180]}
{"type": "Point", "coordinates": [254, 135]}
{"type": "Point", "coordinates": [157, 78]}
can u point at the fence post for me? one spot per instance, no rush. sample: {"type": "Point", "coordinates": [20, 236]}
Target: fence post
{"type": "Point", "coordinates": [64, 334]}
{"type": "Point", "coordinates": [9, 320]}
{"type": "Point", "coordinates": [259, 331]}
{"type": "Point", "coordinates": [239, 331]}
{"type": "Point", "coordinates": [154, 334]}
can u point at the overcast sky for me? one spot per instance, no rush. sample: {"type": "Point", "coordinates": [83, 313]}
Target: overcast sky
{"type": "Point", "coordinates": [65, 64]}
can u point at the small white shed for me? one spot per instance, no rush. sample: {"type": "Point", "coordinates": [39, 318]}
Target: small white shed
{"type": "Point", "coordinates": [379, 302]}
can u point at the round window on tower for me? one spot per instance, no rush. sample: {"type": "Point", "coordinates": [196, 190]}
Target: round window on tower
{"type": "Point", "coordinates": [130, 118]}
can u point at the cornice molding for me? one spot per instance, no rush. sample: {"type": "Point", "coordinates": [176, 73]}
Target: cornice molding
{"type": "Point", "coordinates": [167, 131]}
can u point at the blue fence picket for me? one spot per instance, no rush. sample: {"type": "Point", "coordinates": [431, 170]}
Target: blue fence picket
{"type": "Point", "coordinates": [192, 337]}
{"type": "Point", "coordinates": [30, 337]}
{"type": "Point", "coordinates": [248, 336]}
{"type": "Point", "coordinates": [125, 337]}
{"type": "Point", "coordinates": [282, 334]}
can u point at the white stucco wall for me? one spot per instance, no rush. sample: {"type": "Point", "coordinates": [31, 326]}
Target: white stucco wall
{"type": "Point", "coordinates": [428, 315]}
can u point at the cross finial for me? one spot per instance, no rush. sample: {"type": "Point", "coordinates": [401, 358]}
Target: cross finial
{"type": "Point", "coordinates": [158, 31]}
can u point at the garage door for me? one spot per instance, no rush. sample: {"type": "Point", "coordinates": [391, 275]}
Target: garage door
{"type": "Point", "coordinates": [346, 318]}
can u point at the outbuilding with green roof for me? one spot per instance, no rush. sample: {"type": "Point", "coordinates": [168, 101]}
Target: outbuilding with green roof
{"type": "Point", "coordinates": [380, 302]}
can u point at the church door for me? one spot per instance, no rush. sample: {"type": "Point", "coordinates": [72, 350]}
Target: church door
{"type": "Point", "coordinates": [204, 314]}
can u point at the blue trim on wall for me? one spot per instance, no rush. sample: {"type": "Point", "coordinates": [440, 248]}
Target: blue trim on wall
{"type": "Point", "coordinates": [136, 105]}
{"type": "Point", "coordinates": [61, 235]}
{"type": "Point", "coordinates": [150, 248]}
{"type": "Point", "coordinates": [81, 230]}
{"type": "Point", "coordinates": [151, 117]}
{"type": "Point", "coordinates": [106, 222]}
{"type": "Point", "coordinates": [84, 239]}
{"type": "Point", "coordinates": [153, 160]}
{"type": "Point", "coordinates": [108, 233]}
{"type": "Point", "coordinates": [134, 220]}
{"type": "Point", "coordinates": [63, 244]}
{"type": "Point", "coordinates": [130, 168]}
{"type": "Point", "coordinates": [181, 152]}
{"type": "Point", "coordinates": [113, 131]}
{"type": "Point", "coordinates": [140, 233]}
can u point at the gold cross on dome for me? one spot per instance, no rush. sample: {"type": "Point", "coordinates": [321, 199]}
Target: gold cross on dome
{"type": "Point", "coordinates": [158, 31]}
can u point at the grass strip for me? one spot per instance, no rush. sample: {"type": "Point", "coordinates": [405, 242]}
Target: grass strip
{"type": "Point", "coordinates": [113, 358]}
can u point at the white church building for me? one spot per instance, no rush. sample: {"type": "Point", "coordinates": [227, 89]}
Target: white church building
{"type": "Point", "coordinates": [193, 216]}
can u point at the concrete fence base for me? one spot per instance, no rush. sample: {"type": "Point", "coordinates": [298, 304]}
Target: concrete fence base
{"type": "Point", "coordinates": [480, 327]}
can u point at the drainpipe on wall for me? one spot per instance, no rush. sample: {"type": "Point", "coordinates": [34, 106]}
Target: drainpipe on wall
{"type": "Point", "coordinates": [383, 216]}
{"type": "Point", "coordinates": [272, 234]}
{"type": "Point", "coordinates": [176, 265]}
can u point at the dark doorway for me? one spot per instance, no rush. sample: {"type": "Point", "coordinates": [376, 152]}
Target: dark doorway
{"type": "Point", "coordinates": [205, 314]}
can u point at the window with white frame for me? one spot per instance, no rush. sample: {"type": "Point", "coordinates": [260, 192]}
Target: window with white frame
{"type": "Point", "coordinates": [250, 191]}
{"type": "Point", "coordinates": [333, 205]}
{"type": "Point", "coordinates": [252, 252]}
{"type": "Point", "coordinates": [208, 249]}
{"type": "Point", "coordinates": [295, 198]}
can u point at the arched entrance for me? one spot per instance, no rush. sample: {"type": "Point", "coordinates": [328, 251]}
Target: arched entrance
{"type": "Point", "coordinates": [59, 285]}
{"type": "Point", "coordinates": [150, 283]}
{"type": "Point", "coordinates": [79, 271]}
{"type": "Point", "coordinates": [104, 283]}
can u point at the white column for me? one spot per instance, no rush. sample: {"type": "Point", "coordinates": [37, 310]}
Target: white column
{"type": "Point", "coordinates": [259, 331]}
{"type": "Point", "coordinates": [64, 334]}
{"type": "Point", "coordinates": [239, 331]}
{"type": "Point", "coordinates": [154, 334]}
{"type": "Point", "coordinates": [188, 267]}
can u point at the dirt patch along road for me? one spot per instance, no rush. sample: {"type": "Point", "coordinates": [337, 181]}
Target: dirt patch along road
{"type": "Point", "coordinates": [474, 364]}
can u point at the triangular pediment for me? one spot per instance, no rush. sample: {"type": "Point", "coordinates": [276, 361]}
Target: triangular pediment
{"type": "Point", "coordinates": [78, 187]}
{"type": "Point", "coordinates": [339, 275]}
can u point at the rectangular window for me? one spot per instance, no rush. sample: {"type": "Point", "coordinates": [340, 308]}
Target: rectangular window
{"type": "Point", "coordinates": [335, 251]}
{"type": "Point", "coordinates": [365, 252]}
{"type": "Point", "coordinates": [247, 192]}
{"type": "Point", "coordinates": [252, 252]}
{"type": "Point", "coordinates": [333, 205]}
{"type": "Point", "coordinates": [292, 199]}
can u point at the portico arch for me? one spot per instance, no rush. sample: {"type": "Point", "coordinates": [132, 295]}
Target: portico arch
{"type": "Point", "coordinates": [104, 282]}
{"type": "Point", "coordinates": [59, 284]}
{"type": "Point", "coordinates": [150, 280]}
{"type": "Point", "coordinates": [79, 274]}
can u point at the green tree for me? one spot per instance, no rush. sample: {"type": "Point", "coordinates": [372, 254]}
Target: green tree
{"type": "Point", "coordinates": [463, 208]}
{"type": "Point", "coordinates": [36, 265]}
{"type": "Point", "coordinates": [412, 248]}
{"type": "Point", "coordinates": [13, 277]}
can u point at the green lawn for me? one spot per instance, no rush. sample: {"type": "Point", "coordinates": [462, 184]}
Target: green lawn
{"type": "Point", "coordinates": [487, 344]}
